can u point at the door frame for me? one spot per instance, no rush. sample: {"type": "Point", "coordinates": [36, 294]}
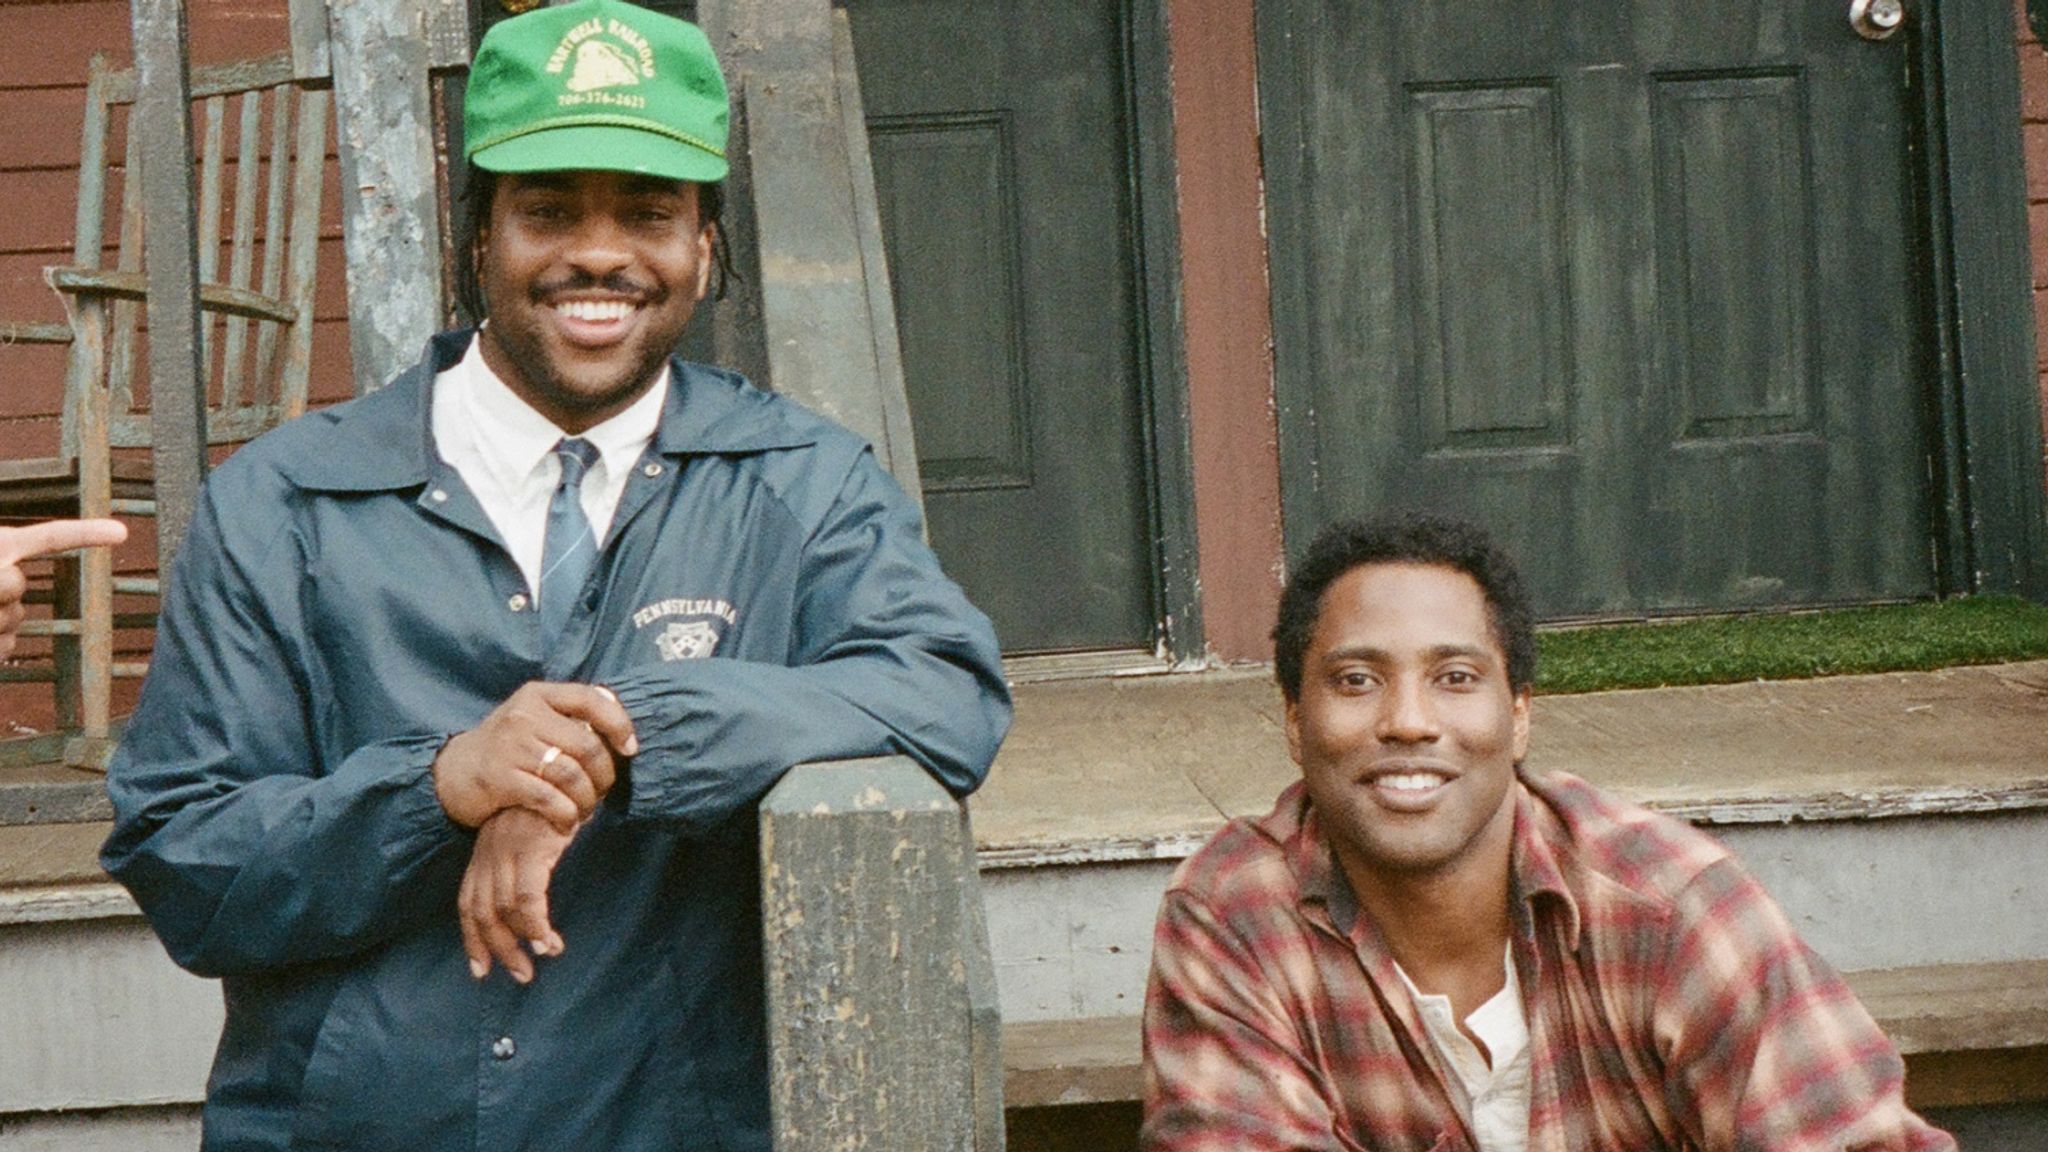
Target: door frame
{"type": "Point", "coordinates": [1162, 372]}
{"type": "Point", "coordinates": [1975, 293]}
{"type": "Point", "coordinates": [1162, 338]}
{"type": "Point", "coordinates": [1977, 276]}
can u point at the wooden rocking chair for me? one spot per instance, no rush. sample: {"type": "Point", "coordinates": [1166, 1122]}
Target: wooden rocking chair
{"type": "Point", "coordinates": [256, 320]}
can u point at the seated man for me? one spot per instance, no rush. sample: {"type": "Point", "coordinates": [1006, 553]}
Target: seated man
{"type": "Point", "coordinates": [1422, 947]}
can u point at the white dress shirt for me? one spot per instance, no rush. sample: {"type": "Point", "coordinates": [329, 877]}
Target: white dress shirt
{"type": "Point", "coordinates": [504, 451]}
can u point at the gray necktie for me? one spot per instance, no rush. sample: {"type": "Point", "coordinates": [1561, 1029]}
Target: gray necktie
{"type": "Point", "coordinates": [570, 548]}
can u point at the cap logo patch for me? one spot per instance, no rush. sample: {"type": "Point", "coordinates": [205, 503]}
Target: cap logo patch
{"type": "Point", "coordinates": [602, 54]}
{"type": "Point", "coordinates": [601, 65]}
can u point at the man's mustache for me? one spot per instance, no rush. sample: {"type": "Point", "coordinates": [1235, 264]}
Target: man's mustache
{"type": "Point", "coordinates": [611, 284]}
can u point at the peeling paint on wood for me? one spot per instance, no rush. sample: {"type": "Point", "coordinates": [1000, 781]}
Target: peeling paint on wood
{"type": "Point", "coordinates": [802, 175]}
{"type": "Point", "coordinates": [867, 875]}
{"type": "Point", "coordinates": [65, 902]}
{"type": "Point", "coordinates": [170, 247]}
{"type": "Point", "coordinates": [96, 1016]}
{"type": "Point", "coordinates": [308, 20]}
{"type": "Point", "coordinates": [389, 196]}
{"type": "Point", "coordinates": [53, 794]}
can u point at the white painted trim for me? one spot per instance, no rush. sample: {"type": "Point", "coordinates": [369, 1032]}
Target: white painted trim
{"type": "Point", "coordinates": [101, 900]}
{"type": "Point", "coordinates": [1705, 811]}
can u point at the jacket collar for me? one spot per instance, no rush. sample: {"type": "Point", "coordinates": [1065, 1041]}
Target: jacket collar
{"type": "Point", "coordinates": [384, 441]}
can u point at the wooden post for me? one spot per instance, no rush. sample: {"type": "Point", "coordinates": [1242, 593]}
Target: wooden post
{"type": "Point", "coordinates": [984, 1010]}
{"type": "Point", "coordinates": [380, 52]}
{"type": "Point", "coordinates": [828, 319]}
{"type": "Point", "coordinates": [891, 393]}
{"type": "Point", "coordinates": [161, 118]}
{"type": "Point", "coordinates": [737, 331]}
{"type": "Point", "coordinates": [1992, 401]}
{"type": "Point", "coordinates": [871, 941]}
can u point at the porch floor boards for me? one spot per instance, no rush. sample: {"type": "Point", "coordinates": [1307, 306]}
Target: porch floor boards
{"type": "Point", "coordinates": [1147, 767]}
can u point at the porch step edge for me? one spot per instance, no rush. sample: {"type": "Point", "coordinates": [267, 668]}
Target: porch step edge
{"type": "Point", "coordinates": [1998, 1011]}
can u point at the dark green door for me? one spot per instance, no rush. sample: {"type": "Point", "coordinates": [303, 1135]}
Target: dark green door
{"type": "Point", "coordinates": [1000, 138]}
{"type": "Point", "coordinates": [1630, 282]}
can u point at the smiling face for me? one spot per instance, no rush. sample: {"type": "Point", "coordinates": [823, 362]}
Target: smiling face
{"type": "Point", "coordinates": [1405, 728]}
{"type": "Point", "coordinates": [590, 278]}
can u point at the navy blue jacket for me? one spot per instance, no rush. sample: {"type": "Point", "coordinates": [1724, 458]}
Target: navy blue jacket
{"type": "Point", "coordinates": [342, 606]}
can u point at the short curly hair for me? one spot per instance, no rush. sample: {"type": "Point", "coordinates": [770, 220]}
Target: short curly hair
{"type": "Point", "coordinates": [1408, 539]}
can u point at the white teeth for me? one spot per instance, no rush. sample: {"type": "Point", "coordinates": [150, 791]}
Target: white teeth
{"type": "Point", "coordinates": [596, 310]}
{"type": "Point", "coordinates": [1411, 781]}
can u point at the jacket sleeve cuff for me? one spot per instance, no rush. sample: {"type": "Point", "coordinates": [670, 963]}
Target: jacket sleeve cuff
{"type": "Point", "coordinates": [405, 768]}
{"type": "Point", "coordinates": [647, 784]}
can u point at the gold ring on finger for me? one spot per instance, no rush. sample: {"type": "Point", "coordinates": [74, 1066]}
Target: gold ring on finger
{"type": "Point", "coordinates": [546, 758]}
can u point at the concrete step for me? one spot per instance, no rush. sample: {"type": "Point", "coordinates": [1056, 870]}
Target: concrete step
{"type": "Point", "coordinates": [1972, 1034]}
{"type": "Point", "coordinates": [1147, 767]}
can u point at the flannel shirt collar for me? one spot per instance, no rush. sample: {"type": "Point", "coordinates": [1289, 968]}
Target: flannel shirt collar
{"type": "Point", "coordinates": [1536, 871]}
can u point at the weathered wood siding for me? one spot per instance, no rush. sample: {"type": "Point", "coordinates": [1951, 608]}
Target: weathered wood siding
{"type": "Point", "coordinates": [866, 873]}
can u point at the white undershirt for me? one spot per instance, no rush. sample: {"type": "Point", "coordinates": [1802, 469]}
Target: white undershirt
{"type": "Point", "coordinates": [1496, 1098]}
{"type": "Point", "coordinates": [504, 450]}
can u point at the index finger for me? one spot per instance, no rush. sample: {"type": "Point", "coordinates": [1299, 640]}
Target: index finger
{"type": "Point", "coordinates": [596, 706]}
{"type": "Point", "coordinates": [32, 540]}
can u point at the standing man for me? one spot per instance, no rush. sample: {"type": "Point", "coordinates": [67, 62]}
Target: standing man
{"type": "Point", "coordinates": [1424, 948]}
{"type": "Point", "coordinates": [465, 691]}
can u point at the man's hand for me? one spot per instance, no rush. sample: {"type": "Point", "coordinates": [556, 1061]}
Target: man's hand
{"type": "Point", "coordinates": [548, 748]}
{"type": "Point", "coordinates": [27, 543]}
{"type": "Point", "coordinates": [504, 898]}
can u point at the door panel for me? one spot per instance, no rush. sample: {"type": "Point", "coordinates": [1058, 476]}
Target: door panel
{"type": "Point", "coordinates": [1491, 302]}
{"type": "Point", "coordinates": [948, 181]}
{"type": "Point", "coordinates": [1000, 141]}
{"type": "Point", "coordinates": [1730, 181]}
{"type": "Point", "coordinates": [1630, 283]}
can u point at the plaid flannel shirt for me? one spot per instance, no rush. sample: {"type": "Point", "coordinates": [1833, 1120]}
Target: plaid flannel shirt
{"type": "Point", "coordinates": [1671, 1004]}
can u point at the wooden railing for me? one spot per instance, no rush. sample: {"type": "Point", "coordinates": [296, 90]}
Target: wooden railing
{"type": "Point", "coordinates": [883, 1029]}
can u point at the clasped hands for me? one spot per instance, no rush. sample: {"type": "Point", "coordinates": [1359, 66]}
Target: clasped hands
{"type": "Point", "coordinates": [526, 779]}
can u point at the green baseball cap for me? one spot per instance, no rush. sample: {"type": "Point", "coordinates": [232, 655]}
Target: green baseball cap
{"type": "Point", "coordinates": [597, 84]}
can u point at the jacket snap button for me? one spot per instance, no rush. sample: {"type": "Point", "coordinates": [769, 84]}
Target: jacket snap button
{"type": "Point", "coordinates": [652, 469]}
{"type": "Point", "coordinates": [439, 495]}
{"type": "Point", "coordinates": [503, 1048]}
{"type": "Point", "coordinates": [517, 603]}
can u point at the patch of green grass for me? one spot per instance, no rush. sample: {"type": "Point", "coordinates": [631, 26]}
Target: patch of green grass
{"type": "Point", "coordinates": [1792, 646]}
